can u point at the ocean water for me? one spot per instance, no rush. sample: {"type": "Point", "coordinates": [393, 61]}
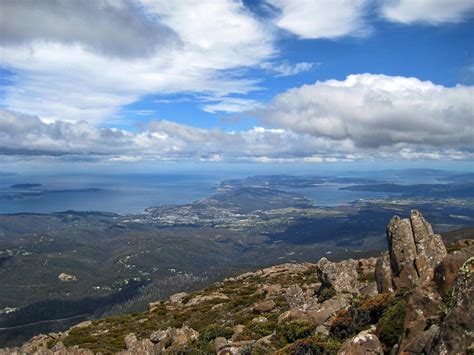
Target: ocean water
{"type": "Point", "coordinates": [132, 193]}
{"type": "Point", "coordinates": [118, 193]}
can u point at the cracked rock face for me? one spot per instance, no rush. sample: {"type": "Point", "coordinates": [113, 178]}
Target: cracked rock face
{"type": "Point", "coordinates": [456, 332]}
{"type": "Point", "coordinates": [383, 274]}
{"type": "Point", "coordinates": [414, 251]}
{"type": "Point", "coordinates": [342, 276]}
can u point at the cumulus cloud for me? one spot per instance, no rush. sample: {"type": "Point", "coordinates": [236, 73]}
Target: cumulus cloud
{"type": "Point", "coordinates": [322, 19]}
{"type": "Point", "coordinates": [427, 11]}
{"type": "Point", "coordinates": [70, 76]}
{"type": "Point", "coordinates": [374, 111]}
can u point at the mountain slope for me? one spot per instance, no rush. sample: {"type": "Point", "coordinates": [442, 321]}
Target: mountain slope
{"type": "Point", "coordinates": [414, 299]}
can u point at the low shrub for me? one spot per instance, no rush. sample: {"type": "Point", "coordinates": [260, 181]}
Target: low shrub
{"type": "Point", "coordinates": [292, 331]}
{"type": "Point", "coordinates": [390, 326]}
{"type": "Point", "coordinates": [260, 330]}
{"type": "Point", "coordinates": [215, 331]}
{"type": "Point", "coordinates": [326, 293]}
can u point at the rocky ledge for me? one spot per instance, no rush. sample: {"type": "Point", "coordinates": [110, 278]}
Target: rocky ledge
{"type": "Point", "coordinates": [414, 299]}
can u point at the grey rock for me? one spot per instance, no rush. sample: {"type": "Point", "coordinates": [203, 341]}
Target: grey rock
{"type": "Point", "coordinates": [219, 343]}
{"type": "Point", "coordinates": [264, 307]}
{"type": "Point", "coordinates": [447, 270]}
{"type": "Point", "coordinates": [415, 251]}
{"type": "Point", "coordinates": [456, 334]}
{"type": "Point", "coordinates": [383, 274]}
{"type": "Point", "coordinates": [341, 276]}
{"type": "Point", "coordinates": [295, 297]}
{"type": "Point", "coordinates": [363, 343]}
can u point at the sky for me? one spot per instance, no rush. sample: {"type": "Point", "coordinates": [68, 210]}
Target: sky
{"type": "Point", "coordinates": [119, 83]}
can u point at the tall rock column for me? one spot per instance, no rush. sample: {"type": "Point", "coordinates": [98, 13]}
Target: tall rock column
{"type": "Point", "coordinates": [430, 249]}
{"type": "Point", "coordinates": [414, 252]}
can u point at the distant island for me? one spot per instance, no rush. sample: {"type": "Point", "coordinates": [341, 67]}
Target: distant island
{"type": "Point", "coordinates": [24, 186]}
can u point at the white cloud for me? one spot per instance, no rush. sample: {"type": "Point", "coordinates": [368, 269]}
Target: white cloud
{"type": "Point", "coordinates": [25, 135]}
{"type": "Point", "coordinates": [286, 69]}
{"type": "Point", "coordinates": [109, 27]}
{"type": "Point", "coordinates": [323, 18]}
{"type": "Point", "coordinates": [427, 11]}
{"type": "Point", "coordinates": [232, 104]}
{"type": "Point", "coordinates": [76, 79]}
{"type": "Point", "coordinates": [374, 111]}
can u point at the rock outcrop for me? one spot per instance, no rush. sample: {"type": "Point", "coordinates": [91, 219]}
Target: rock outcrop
{"type": "Point", "coordinates": [418, 264]}
{"type": "Point", "coordinates": [456, 333]}
{"type": "Point", "coordinates": [414, 252]}
{"type": "Point", "coordinates": [448, 269]}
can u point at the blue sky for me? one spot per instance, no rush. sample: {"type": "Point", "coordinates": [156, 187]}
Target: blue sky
{"type": "Point", "coordinates": [441, 54]}
{"type": "Point", "coordinates": [274, 81]}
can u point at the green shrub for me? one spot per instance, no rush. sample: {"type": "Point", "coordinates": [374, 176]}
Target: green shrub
{"type": "Point", "coordinates": [292, 331]}
{"type": "Point", "coordinates": [390, 326]}
{"type": "Point", "coordinates": [342, 325]}
{"type": "Point", "coordinates": [260, 330]}
{"type": "Point", "coordinates": [326, 293]}
{"type": "Point", "coordinates": [194, 347]}
{"type": "Point", "coordinates": [215, 331]}
{"type": "Point", "coordinates": [313, 345]}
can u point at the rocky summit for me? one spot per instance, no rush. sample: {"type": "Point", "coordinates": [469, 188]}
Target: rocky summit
{"type": "Point", "coordinates": [415, 298]}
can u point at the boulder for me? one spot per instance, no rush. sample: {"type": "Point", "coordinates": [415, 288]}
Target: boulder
{"type": "Point", "coordinates": [153, 306]}
{"type": "Point", "coordinates": [161, 337]}
{"type": "Point", "coordinates": [178, 298]}
{"type": "Point", "coordinates": [172, 337]}
{"type": "Point", "coordinates": [317, 315]}
{"type": "Point", "coordinates": [321, 330]}
{"type": "Point", "coordinates": [259, 319]}
{"type": "Point", "coordinates": [271, 291]}
{"type": "Point", "coordinates": [219, 343]}
{"type": "Point", "coordinates": [181, 336]}
{"type": "Point", "coordinates": [264, 307]}
{"type": "Point", "coordinates": [135, 346]}
{"type": "Point", "coordinates": [295, 297]}
{"type": "Point", "coordinates": [67, 277]}
{"type": "Point", "coordinates": [366, 266]}
{"type": "Point", "coordinates": [206, 298]}
{"type": "Point", "coordinates": [341, 276]}
{"type": "Point", "coordinates": [238, 332]}
{"type": "Point", "coordinates": [363, 343]}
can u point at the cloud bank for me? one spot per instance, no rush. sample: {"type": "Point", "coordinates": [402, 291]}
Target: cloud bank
{"type": "Point", "coordinates": [365, 116]}
{"type": "Point", "coordinates": [374, 111]}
